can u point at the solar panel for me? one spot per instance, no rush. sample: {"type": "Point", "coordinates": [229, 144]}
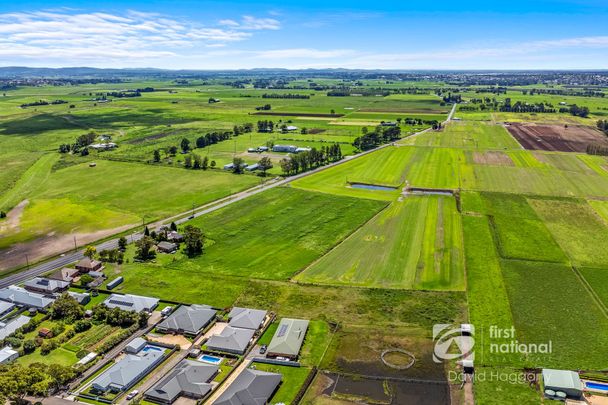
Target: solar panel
{"type": "Point", "coordinates": [282, 330]}
{"type": "Point", "coordinates": [123, 303]}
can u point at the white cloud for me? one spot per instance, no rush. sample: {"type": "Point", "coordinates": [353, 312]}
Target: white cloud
{"type": "Point", "coordinates": [71, 36]}
{"type": "Point", "coordinates": [304, 53]}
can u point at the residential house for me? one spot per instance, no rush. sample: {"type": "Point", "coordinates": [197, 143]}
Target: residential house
{"type": "Point", "coordinates": [7, 354]}
{"type": "Point", "coordinates": [81, 298]}
{"type": "Point", "coordinates": [86, 265]}
{"type": "Point", "coordinates": [46, 285]}
{"type": "Point", "coordinates": [175, 237]}
{"type": "Point", "coordinates": [231, 340]}
{"type": "Point", "coordinates": [65, 274]}
{"type": "Point", "coordinates": [127, 372]}
{"type": "Point", "coordinates": [8, 328]}
{"type": "Point", "coordinates": [288, 338]}
{"type": "Point", "coordinates": [250, 387]}
{"type": "Point", "coordinates": [191, 379]}
{"type": "Point", "coordinates": [129, 302]}
{"type": "Point", "coordinates": [23, 298]}
{"type": "Point", "coordinates": [6, 308]}
{"type": "Point", "coordinates": [188, 320]}
{"type": "Point", "coordinates": [246, 318]}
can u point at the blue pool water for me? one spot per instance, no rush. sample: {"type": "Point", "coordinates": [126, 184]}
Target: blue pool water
{"type": "Point", "coordinates": [149, 348]}
{"type": "Point", "coordinates": [372, 187]}
{"type": "Point", "coordinates": [210, 359]}
{"type": "Point", "coordinates": [596, 386]}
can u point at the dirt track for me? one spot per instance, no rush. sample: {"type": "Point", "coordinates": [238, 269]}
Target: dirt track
{"type": "Point", "coordinates": [556, 137]}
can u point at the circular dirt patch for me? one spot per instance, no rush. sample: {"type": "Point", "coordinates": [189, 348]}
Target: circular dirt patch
{"type": "Point", "coordinates": [398, 359]}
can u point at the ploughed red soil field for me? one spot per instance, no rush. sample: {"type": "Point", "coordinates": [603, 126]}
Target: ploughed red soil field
{"type": "Point", "coordinates": [556, 137]}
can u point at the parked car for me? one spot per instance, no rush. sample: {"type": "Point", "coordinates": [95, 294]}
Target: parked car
{"type": "Point", "coordinates": [132, 394]}
{"type": "Point", "coordinates": [263, 349]}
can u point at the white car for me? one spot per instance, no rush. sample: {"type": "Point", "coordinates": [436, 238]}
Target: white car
{"type": "Point", "coordinates": [132, 394]}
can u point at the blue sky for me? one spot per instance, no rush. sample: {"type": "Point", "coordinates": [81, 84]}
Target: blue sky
{"type": "Point", "coordinates": [188, 34]}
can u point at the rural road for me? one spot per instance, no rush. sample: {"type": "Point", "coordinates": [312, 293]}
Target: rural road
{"type": "Point", "coordinates": [68, 258]}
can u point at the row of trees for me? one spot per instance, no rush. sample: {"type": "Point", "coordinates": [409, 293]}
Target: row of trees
{"type": "Point", "coordinates": [597, 149]}
{"type": "Point", "coordinates": [379, 136]}
{"type": "Point", "coordinates": [304, 161]}
{"type": "Point", "coordinates": [289, 95]}
{"type": "Point", "coordinates": [602, 125]}
{"type": "Point", "coordinates": [79, 145]}
{"type": "Point", "coordinates": [37, 379]}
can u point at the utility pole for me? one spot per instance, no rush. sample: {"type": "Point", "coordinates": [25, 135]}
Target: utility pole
{"type": "Point", "coordinates": [75, 244]}
{"type": "Point", "coordinates": [27, 261]}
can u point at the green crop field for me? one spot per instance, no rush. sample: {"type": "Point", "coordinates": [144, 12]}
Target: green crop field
{"type": "Point", "coordinates": [466, 134]}
{"type": "Point", "coordinates": [416, 243]}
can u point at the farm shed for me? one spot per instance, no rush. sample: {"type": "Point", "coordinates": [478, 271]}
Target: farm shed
{"type": "Point", "coordinates": [11, 326]}
{"type": "Point", "coordinates": [166, 247]}
{"type": "Point", "coordinates": [6, 308]}
{"type": "Point", "coordinates": [115, 283]}
{"type": "Point", "coordinates": [565, 381]}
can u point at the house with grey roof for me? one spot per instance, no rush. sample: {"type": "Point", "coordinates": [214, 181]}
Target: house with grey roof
{"type": "Point", "coordinates": [6, 308]}
{"type": "Point", "coordinates": [21, 297]}
{"type": "Point", "coordinates": [189, 378]}
{"type": "Point", "coordinates": [65, 274]}
{"type": "Point", "coordinates": [288, 338]}
{"type": "Point", "coordinates": [188, 320]}
{"type": "Point", "coordinates": [166, 247]}
{"type": "Point", "coordinates": [251, 387]}
{"type": "Point", "coordinates": [81, 298]}
{"type": "Point", "coordinates": [8, 328]}
{"type": "Point", "coordinates": [231, 340]}
{"type": "Point", "coordinates": [246, 318]}
{"type": "Point", "coordinates": [7, 354]}
{"type": "Point", "coordinates": [46, 285]}
{"type": "Point", "coordinates": [127, 372]}
{"type": "Point", "coordinates": [129, 302]}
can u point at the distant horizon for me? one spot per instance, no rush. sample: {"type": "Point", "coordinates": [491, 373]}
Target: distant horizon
{"type": "Point", "coordinates": [238, 34]}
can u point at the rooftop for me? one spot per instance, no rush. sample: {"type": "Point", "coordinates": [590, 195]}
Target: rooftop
{"type": "Point", "coordinates": [289, 337]}
{"type": "Point", "coordinates": [129, 302]}
{"type": "Point", "coordinates": [231, 339]}
{"type": "Point", "coordinates": [20, 296]}
{"type": "Point", "coordinates": [187, 378]}
{"type": "Point", "coordinates": [127, 371]}
{"type": "Point", "coordinates": [6, 329]}
{"type": "Point", "coordinates": [251, 387]}
{"type": "Point", "coordinates": [46, 284]}
{"type": "Point", "coordinates": [246, 318]}
{"type": "Point", "coordinates": [189, 319]}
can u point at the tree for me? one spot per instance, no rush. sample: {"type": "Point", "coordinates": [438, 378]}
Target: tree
{"type": "Point", "coordinates": [29, 346]}
{"type": "Point", "coordinates": [265, 164]}
{"type": "Point", "coordinates": [146, 231]}
{"type": "Point", "coordinates": [185, 145]}
{"type": "Point", "coordinates": [122, 243]}
{"type": "Point", "coordinates": [238, 164]}
{"type": "Point", "coordinates": [90, 251]}
{"type": "Point", "coordinates": [145, 249]}
{"type": "Point", "coordinates": [157, 156]}
{"type": "Point", "coordinates": [67, 308]}
{"type": "Point", "coordinates": [86, 279]}
{"type": "Point", "coordinates": [173, 227]}
{"type": "Point", "coordinates": [172, 150]}
{"type": "Point", "coordinates": [205, 163]}
{"type": "Point", "coordinates": [194, 240]}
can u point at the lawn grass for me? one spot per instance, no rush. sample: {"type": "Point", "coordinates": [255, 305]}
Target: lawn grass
{"type": "Point", "coordinates": [598, 280]}
{"type": "Point", "coordinates": [549, 303]}
{"type": "Point", "coordinates": [415, 243]}
{"type": "Point", "coordinates": [276, 233]}
{"type": "Point", "coordinates": [579, 231]}
{"type": "Point", "coordinates": [512, 390]}
{"type": "Point", "coordinates": [317, 339]}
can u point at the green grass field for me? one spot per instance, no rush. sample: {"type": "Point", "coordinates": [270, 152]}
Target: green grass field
{"type": "Point", "coordinates": [471, 135]}
{"type": "Point", "coordinates": [416, 243]}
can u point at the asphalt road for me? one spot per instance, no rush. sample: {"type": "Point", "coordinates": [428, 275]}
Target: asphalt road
{"type": "Point", "coordinates": [69, 258]}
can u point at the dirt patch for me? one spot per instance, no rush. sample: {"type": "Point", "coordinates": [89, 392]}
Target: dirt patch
{"type": "Point", "coordinates": [314, 131]}
{"type": "Point", "coordinates": [143, 139]}
{"type": "Point", "coordinates": [356, 123]}
{"type": "Point", "coordinates": [295, 114]}
{"type": "Point", "coordinates": [493, 158]}
{"type": "Point", "coordinates": [179, 340]}
{"type": "Point", "coordinates": [13, 218]}
{"type": "Point", "coordinates": [50, 245]}
{"type": "Point", "coordinates": [559, 138]}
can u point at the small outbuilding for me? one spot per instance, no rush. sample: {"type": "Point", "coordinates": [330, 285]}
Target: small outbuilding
{"type": "Point", "coordinates": [166, 247]}
{"type": "Point", "coordinates": [564, 381]}
{"type": "Point", "coordinates": [136, 345]}
{"type": "Point", "coordinates": [7, 355]}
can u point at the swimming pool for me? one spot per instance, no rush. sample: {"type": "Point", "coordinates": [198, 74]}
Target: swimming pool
{"type": "Point", "coordinates": [596, 386]}
{"type": "Point", "coordinates": [210, 359]}
{"type": "Point", "coordinates": [150, 348]}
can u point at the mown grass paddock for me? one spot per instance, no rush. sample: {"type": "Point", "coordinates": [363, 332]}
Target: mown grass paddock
{"type": "Point", "coordinates": [415, 243]}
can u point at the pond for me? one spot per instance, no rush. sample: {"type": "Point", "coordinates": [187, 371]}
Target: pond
{"type": "Point", "coordinates": [372, 187]}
